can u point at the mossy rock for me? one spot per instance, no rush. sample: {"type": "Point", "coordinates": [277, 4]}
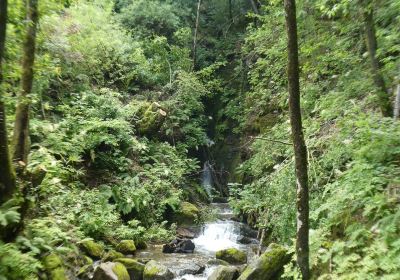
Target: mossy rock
{"type": "Point", "coordinates": [155, 271]}
{"type": "Point", "coordinates": [268, 266]}
{"type": "Point", "coordinates": [54, 267]}
{"type": "Point", "coordinates": [112, 255]}
{"type": "Point", "coordinates": [93, 249]}
{"type": "Point", "coordinates": [126, 247]}
{"type": "Point", "coordinates": [135, 268]}
{"type": "Point", "coordinates": [187, 214]}
{"type": "Point", "coordinates": [111, 271]}
{"type": "Point", "coordinates": [217, 262]}
{"type": "Point", "coordinates": [141, 245]}
{"type": "Point", "coordinates": [223, 272]}
{"type": "Point", "coordinates": [232, 256]}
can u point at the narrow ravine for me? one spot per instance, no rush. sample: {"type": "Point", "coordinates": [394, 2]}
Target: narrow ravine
{"type": "Point", "coordinates": [221, 234]}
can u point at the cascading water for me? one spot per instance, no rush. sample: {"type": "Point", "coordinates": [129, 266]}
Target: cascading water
{"type": "Point", "coordinates": [206, 177]}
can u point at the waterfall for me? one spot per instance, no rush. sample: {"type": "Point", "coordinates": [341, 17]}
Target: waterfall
{"type": "Point", "coordinates": [206, 178]}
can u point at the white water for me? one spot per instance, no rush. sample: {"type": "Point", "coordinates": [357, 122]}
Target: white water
{"type": "Point", "coordinates": [206, 177]}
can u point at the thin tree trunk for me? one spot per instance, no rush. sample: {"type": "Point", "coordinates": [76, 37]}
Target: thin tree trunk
{"type": "Point", "coordinates": [396, 113]}
{"type": "Point", "coordinates": [254, 6]}
{"type": "Point", "coordinates": [21, 140]}
{"type": "Point", "coordinates": [300, 149]}
{"type": "Point", "coordinates": [7, 174]}
{"type": "Point", "coordinates": [196, 30]}
{"type": "Point", "coordinates": [230, 11]}
{"type": "Point", "coordinates": [372, 45]}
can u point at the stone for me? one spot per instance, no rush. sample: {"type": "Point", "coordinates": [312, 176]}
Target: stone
{"type": "Point", "coordinates": [93, 249]}
{"type": "Point", "coordinates": [217, 262]}
{"type": "Point", "coordinates": [179, 246]}
{"type": "Point", "coordinates": [112, 255]}
{"type": "Point", "coordinates": [232, 256]}
{"type": "Point", "coordinates": [154, 271]}
{"type": "Point", "coordinates": [224, 273]}
{"type": "Point", "coordinates": [134, 267]}
{"type": "Point", "coordinates": [54, 267]}
{"type": "Point", "coordinates": [111, 271]}
{"type": "Point", "coordinates": [126, 247]}
{"type": "Point", "coordinates": [187, 214]}
{"type": "Point", "coordinates": [268, 266]}
{"type": "Point", "coordinates": [141, 245]}
{"type": "Point", "coordinates": [192, 269]}
{"type": "Point", "coordinates": [185, 233]}
{"type": "Point", "coordinates": [246, 240]}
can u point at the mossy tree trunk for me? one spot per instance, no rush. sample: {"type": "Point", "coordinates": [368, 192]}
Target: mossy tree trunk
{"type": "Point", "coordinates": [7, 175]}
{"type": "Point", "coordinates": [372, 46]}
{"type": "Point", "coordinates": [21, 140]}
{"type": "Point", "coordinates": [300, 149]}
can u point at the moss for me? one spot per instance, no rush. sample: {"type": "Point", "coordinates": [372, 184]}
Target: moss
{"type": "Point", "coordinates": [153, 270]}
{"type": "Point", "coordinates": [58, 274]}
{"type": "Point", "coordinates": [92, 248]}
{"type": "Point", "coordinates": [268, 266]}
{"type": "Point", "coordinates": [187, 214]}
{"type": "Point", "coordinates": [54, 267]}
{"type": "Point", "coordinates": [120, 271]}
{"type": "Point", "coordinates": [224, 273]}
{"type": "Point", "coordinates": [112, 255]}
{"type": "Point", "coordinates": [232, 256]}
{"type": "Point", "coordinates": [135, 268]}
{"type": "Point", "coordinates": [126, 247]}
{"type": "Point", "coordinates": [141, 245]}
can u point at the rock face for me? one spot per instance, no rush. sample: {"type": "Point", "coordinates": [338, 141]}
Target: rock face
{"type": "Point", "coordinates": [135, 268]}
{"type": "Point", "coordinates": [224, 273]}
{"type": "Point", "coordinates": [54, 267]}
{"type": "Point", "coordinates": [232, 256]}
{"type": "Point", "coordinates": [268, 266]}
{"type": "Point", "coordinates": [93, 249]}
{"type": "Point", "coordinates": [179, 246]}
{"type": "Point", "coordinates": [111, 271]}
{"type": "Point", "coordinates": [154, 271]}
{"type": "Point", "coordinates": [126, 247]}
{"type": "Point", "coordinates": [187, 214]}
{"type": "Point", "coordinates": [193, 269]}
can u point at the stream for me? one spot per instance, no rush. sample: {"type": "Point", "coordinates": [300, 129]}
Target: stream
{"type": "Point", "coordinates": [213, 236]}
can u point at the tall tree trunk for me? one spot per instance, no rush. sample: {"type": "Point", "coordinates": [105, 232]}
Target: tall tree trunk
{"type": "Point", "coordinates": [254, 6]}
{"type": "Point", "coordinates": [196, 30]}
{"type": "Point", "coordinates": [372, 46]}
{"type": "Point", "coordinates": [300, 149]}
{"type": "Point", "coordinates": [7, 175]}
{"type": "Point", "coordinates": [230, 11]}
{"type": "Point", "coordinates": [396, 113]}
{"type": "Point", "coordinates": [21, 140]}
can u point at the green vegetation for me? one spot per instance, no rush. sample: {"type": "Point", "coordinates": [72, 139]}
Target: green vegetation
{"type": "Point", "coordinates": [101, 146]}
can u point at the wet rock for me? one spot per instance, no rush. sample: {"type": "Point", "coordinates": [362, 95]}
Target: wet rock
{"type": "Point", "coordinates": [232, 256]}
{"type": "Point", "coordinates": [246, 240]}
{"type": "Point", "coordinates": [193, 269]}
{"type": "Point", "coordinates": [141, 245]}
{"type": "Point", "coordinates": [217, 262]}
{"type": "Point", "coordinates": [268, 266]}
{"type": "Point", "coordinates": [54, 267]}
{"type": "Point", "coordinates": [112, 255]}
{"type": "Point", "coordinates": [93, 249]}
{"type": "Point", "coordinates": [134, 267]}
{"type": "Point", "coordinates": [126, 247]}
{"type": "Point", "coordinates": [187, 214]}
{"type": "Point", "coordinates": [179, 246]}
{"type": "Point", "coordinates": [224, 273]}
{"type": "Point", "coordinates": [111, 271]}
{"type": "Point", "coordinates": [245, 230]}
{"type": "Point", "coordinates": [218, 199]}
{"type": "Point", "coordinates": [155, 271]}
{"type": "Point", "coordinates": [185, 233]}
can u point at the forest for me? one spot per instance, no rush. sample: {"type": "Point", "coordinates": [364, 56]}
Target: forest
{"type": "Point", "coordinates": [199, 139]}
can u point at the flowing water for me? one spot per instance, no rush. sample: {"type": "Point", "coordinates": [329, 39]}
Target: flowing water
{"type": "Point", "coordinates": [206, 177]}
{"type": "Point", "coordinates": [217, 235]}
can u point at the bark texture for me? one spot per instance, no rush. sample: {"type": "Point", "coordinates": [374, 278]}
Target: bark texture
{"type": "Point", "coordinates": [196, 30]}
{"type": "Point", "coordinates": [7, 174]}
{"type": "Point", "coordinates": [372, 46]}
{"type": "Point", "coordinates": [300, 149]}
{"type": "Point", "coordinates": [21, 140]}
{"type": "Point", "coordinates": [396, 113]}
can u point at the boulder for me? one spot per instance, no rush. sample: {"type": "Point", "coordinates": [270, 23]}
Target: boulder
{"type": "Point", "coordinates": [192, 269]}
{"type": "Point", "coordinates": [187, 214]}
{"type": "Point", "coordinates": [246, 240]}
{"type": "Point", "coordinates": [224, 273]}
{"type": "Point", "coordinates": [268, 266]}
{"type": "Point", "coordinates": [111, 271]}
{"type": "Point", "coordinates": [134, 267]}
{"type": "Point", "coordinates": [112, 255]}
{"type": "Point", "coordinates": [93, 249]}
{"type": "Point", "coordinates": [179, 246]}
{"type": "Point", "coordinates": [126, 247]}
{"type": "Point", "coordinates": [154, 271]}
{"type": "Point", "coordinates": [141, 245]}
{"type": "Point", "coordinates": [232, 256]}
{"type": "Point", "coordinates": [217, 262]}
{"type": "Point", "coordinates": [54, 267]}
{"type": "Point", "coordinates": [185, 233]}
